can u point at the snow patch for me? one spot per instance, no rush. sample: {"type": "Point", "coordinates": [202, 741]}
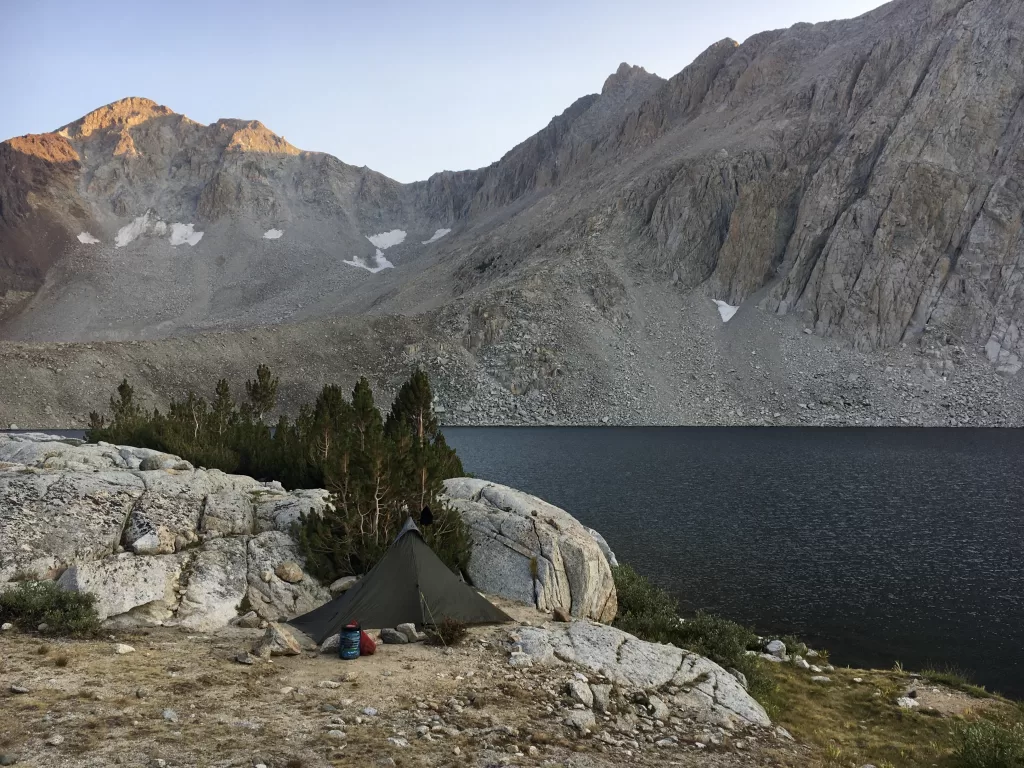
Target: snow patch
{"type": "Point", "coordinates": [379, 262]}
{"type": "Point", "coordinates": [273, 234]}
{"type": "Point", "coordinates": [437, 236]}
{"type": "Point", "coordinates": [85, 237]}
{"type": "Point", "coordinates": [387, 239]}
{"type": "Point", "coordinates": [725, 310]}
{"type": "Point", "coordinates": [130, 232]}
{"type": "Point", "coordinates": [184, 233]}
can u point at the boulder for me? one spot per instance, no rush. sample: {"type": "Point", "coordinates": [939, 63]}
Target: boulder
{"type": "Point", "coordinates": [274, 598]}
{"type": "Point", "coordinates": [688, 684]}
{"type": "Point", "coordinates": [198, 540]}
{"type": "Point", "coordinates": [776, 648]}
{"type": "Point", "coordinates": [277, 510]}
{"type": "Point", "coordinates": [393, 637]}
{"type": "Point", "coordinates": [52, 519]}
{"type": "Point", "coordinates": [289, 572]}
{"type": "Point", "coordinates": [277, 641]}
{"type": "Point", "coordinates": [216, 585]}
{"type": "Point", "coordinates": [227, 513]}
{"type": "Point", "coordinates": [127, 582]}
{"type": "Point", "coordinates": [608, 554]}
{"type": "Point", "coordinates": [528, 550]}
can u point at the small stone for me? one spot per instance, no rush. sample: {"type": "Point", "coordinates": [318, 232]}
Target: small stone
{"type": "Point", "coordinates": [19, 689]}
{"type": "Point", "coordinates": [665, 743]}
{"type": "Point", "coordinates": [409, 630]}
{"type": "Point", "coordinates": [580, 692]}
{"type": "Point", "coordinates": [251, 620]}
{"type": "Point", "coordinates": [56, 740]}
{"type": "Point", "coordinates": [157, 762]}
{"type": "Point", "coordinates": [560, 614]}
{"type": "Point", "coordinates": [266, 576]}
{"type": "Point", "coordinates": [582, 720]}
{"type": "Point", "coordinates": [393, 637]}
{"type": "Point", "coordinates": [336, 735]}
{"type": "Point", "coordinates": [6, 627]}
{"type": "Point", "coordinates": [858, 679]}
{"type": "Point", "coordinates": [245, 658]}
{"type": "Point", "coordinates": [287, 690]}
{"type": "Point", "coordinates": [532, 751]}
{"type": "Point", "coordinates": [328, 684]}
{"type": "Point", "coordinates": [802, 664]}
{"type": "Point", "coordinates": [905, 702]}
{"type": "Point", "coordinates": [519, 659]}
{"type": "Point", "coordinates": [398, 741]}
{"type": "Point", "coordinates": [121, 649]}
{"type": "Point", "coordinates": [8, 760]}
{"type": "Point", "coordinates": [369, 711]}
{"type": "Point", "coordinates": [814, 668]}
{"type": "Point", "coordinates": [289, 572]}
{"type": "Point", "coordinates": [343, 584]}
{"type": "Point", "coordinates": [141, 693]}
{"type": "Point", "coordinates": [170, 715]}
{"type": "Point", "coordinates": [821, 679]}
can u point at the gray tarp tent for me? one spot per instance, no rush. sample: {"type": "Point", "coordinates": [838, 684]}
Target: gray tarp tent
{"type": "Point", "coordinates": [409, 584]}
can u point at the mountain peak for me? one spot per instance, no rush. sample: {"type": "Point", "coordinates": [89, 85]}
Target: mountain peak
{"type": "Point", "coordinates": [624, 76]}
{"type": "Point", "coordinates": [122, 113]}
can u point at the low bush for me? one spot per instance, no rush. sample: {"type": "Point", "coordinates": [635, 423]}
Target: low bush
{"type": "Point", "coordinates": [30, 604]}
{"type": "Point", "coordinates": [449, 632]}
{"type": "Point", "coordinates": [987, 744]}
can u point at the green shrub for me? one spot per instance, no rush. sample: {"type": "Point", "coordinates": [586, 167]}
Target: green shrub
{"type": "Point", "coordinates": [986, 744]}
{"type": "Point", "coordinates": [31, 603]}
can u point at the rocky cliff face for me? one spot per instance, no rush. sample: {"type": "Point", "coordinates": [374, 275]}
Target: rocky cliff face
{"type": "Point", "coordinates": [861, 179]}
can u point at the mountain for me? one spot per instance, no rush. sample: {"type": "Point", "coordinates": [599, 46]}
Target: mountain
{"type": "Point", "coordinates": [855, 188]}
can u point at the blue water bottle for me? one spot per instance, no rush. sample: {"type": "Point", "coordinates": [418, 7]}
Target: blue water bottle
{"type": "Point", "coordinates": [348, 647]}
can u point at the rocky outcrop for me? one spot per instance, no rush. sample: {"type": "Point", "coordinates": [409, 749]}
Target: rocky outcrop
{"type": "Point", "coordinates": [528, 550]}
{"type": "Point", "coordinates": [674, 680]}
{"type": "Point", "coordinates": [174, 546]}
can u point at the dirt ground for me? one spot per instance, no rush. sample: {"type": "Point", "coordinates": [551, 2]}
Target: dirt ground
{"type": "Point", "coordinates": [183, 700]}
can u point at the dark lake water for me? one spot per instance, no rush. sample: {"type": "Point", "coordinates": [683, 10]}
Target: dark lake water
{"type": "Point", "coordinates": [881, 545]}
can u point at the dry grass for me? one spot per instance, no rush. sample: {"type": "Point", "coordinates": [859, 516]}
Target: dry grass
{"type": "Point", "coordinates": [853, 724]}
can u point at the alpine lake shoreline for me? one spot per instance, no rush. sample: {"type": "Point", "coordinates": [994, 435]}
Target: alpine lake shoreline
{"type": "Point", "coordinates": [176, 695]}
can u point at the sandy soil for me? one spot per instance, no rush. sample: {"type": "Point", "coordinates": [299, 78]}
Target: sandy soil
{"type": "Point", "coordinates": [111, 709]}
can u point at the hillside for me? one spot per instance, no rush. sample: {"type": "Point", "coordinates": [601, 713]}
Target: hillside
{"type": "Point", "coordinates": [853, 187]}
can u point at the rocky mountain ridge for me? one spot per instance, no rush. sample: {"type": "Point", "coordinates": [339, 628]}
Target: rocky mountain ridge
{"type": "Point", "coordinates": [859, 179]}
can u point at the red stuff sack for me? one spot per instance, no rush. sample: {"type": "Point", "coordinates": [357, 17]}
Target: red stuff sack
{"type": "Point", "coordinates": [366, 645]}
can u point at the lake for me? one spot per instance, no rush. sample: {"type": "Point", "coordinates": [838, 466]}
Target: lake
{"type": "Point", "coordinates": [882, 545]}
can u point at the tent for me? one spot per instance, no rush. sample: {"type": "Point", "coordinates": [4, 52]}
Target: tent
{"type": "Point", "coordinates": [409, 584]}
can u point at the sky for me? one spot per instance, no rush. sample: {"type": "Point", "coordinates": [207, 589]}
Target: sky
{"type": "Point", "coordinates": [406, 88]}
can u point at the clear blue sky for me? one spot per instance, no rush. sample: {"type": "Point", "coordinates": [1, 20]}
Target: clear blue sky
{"type": "Point", "coordinates": [407, 88]}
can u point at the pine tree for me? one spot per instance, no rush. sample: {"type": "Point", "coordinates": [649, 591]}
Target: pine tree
{"type": "Point", "coordinates": [124, 411]}
{"type": "Point", "coordinates": [222, 412]}
{"type": "Point", "coordinates": [262, 392]}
